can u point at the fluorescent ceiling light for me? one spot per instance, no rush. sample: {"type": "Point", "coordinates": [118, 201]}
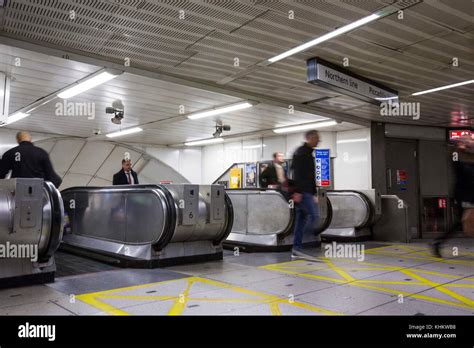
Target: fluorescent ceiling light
{"type": "Point", "coordinates": [220, 110]}
{"type": "Point", "coordinates": [124, 132]}
{"type": "Point", "coordinates": [444, 87]}
{"type": "Point", "coordinates": [387, 98]}
{"type": "Point", "coordinates": [325, 37]}
{"type": "Point", "coordinates": [247, 147]}
{"type": "Point", "coordinates": [305, 126]}
{"type": "Point", "coordinates": [346, 141]}
{"type": "Point", "coordinates": [86, 84]}
{"type": "Point", "coordinates": [204, 142]}
{"type": "Point", "coordinates": [15, 117]}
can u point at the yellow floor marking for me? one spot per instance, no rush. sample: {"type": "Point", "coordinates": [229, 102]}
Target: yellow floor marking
{"type": "Point", "coordinates": [440, 288]}
{"type": "Point", "coordinates": [407, 294]}
{"type": "Point", "coordinates": [133, 297]}
{"type": "Point", "coordinates": [339, 271]}
{"type": "Point", "coordinates": [275, 309]}
{"type": "Point", "coordinates": [105, 307]}
{"type": "Point", "coordinates": [389, 282]}
{"type": "Point", "coordinates": [432, 258]}
{"type": "Point", "coordinates": [180, 301]}
{"type": "Point", "coordinates": [459, 285]}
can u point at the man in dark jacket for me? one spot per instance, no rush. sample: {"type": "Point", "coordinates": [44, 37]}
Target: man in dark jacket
{"type": "Point", "coordinates": [304, 176]}
{"type": "Point", "coordinates": [126, 176]}
{"type": "Point", "coordinates": [274, 174]}
{"type": "Point", "coordinates": [28, 161]}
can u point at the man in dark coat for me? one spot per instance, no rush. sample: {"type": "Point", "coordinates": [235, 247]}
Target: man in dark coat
{"type": "Point", "coordinates": [28, 161]}
{"type": "Point", "coordinates": [304, 177]}
{"type": "Point", "coordinates": [126, 176]}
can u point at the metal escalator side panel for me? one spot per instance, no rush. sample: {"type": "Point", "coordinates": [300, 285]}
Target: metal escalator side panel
{"type": "Point", "coordinates": [261, 213]}
{"type": "Point", "coordinates": [121, 215]}
{"type": "Point", "coordinates": [349, 209]}
{"type": "Point", "coordinates": [53, 222]}
{"type": "Point", "coordinates": [171, 220]}
{"type": "Point", "coordinates": [229, 220]}
{"type": "Point", "coordinates": [6, 213]}
{"type": "Point", "coordinates": [322, 226]}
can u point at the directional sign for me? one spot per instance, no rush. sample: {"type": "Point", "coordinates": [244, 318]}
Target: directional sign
{"type": "Point", "coordinates": [323, 168]}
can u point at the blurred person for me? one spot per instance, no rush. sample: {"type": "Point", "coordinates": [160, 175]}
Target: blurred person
{"type": "Point", "coordinates": [28, 161]}
{"type": "Point", "coordinates": [304, 186]}
{"type": "Point", "coordinates": [274, 175]}
{"type": "Point", "coordinates": [463, 190]}
{"type": "Point", "coordinates": [126, 176]}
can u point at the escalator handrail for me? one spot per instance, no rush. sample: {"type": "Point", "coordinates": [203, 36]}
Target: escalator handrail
{"type": "Point", "coordinates": [57, 221]}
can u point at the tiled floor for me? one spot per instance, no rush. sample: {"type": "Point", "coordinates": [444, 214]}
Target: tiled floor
{"type": "Point", "coordinates": [393, 279]}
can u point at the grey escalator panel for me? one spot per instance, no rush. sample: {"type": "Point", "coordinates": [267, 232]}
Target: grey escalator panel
{"type": "Point", "coordinates": [31, 228]}
{"type": "Point", "coordinates": [264, 219]}
{"type": "Point", "coordinates": [147, 225]}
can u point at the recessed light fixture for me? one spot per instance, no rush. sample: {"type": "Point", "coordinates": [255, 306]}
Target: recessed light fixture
{"type": "Point", "coordinates": [325, 37]}
{"type": "Point", "coordinates": [204, 142]}
{"type": "Point", "coordinates": [221, 110]}
{"type": "Point", "coordinates": [88, 83]}
{"type": "Point", "coordinates": [124, 132]}
{"type": "Point", "coordinates": [347, 141]}
{"type": "Point", "coordinates": [17, 116]}
{"type": "Point", "coordinates": [444, 87]}
{"type": "Point", "coordinates": [305, 126]}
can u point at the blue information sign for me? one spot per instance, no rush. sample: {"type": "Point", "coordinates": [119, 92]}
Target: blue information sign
{"type": "Point", "coordinates": [323, 167]}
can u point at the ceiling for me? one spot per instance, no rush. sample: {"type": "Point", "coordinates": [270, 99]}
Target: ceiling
{"type": "Point", "coordinates": [190, 61]}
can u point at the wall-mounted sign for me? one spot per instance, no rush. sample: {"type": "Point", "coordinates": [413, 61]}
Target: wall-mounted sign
{"type": "Point", "coordinates": [323, 167]}
{"type": "Point", "coordinates": [456, 134]}
{"type": "Point", "coordinates": [442, 203]}
{"type": "Point", "coordinates": [331, 76]}
{"type": "Point", "coordinates": [236, 178]}
{"type": "Point", "coordinates": [402, 177]}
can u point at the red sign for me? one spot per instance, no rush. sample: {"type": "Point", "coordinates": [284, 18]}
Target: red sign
{"type": "Point", "coordinates": [442, 203]}
{"type": "Point", "coordinates": [166, 182]}
{"type": "Point", "coordinates": [456, 134]}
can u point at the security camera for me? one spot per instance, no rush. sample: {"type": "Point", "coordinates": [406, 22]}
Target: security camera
{"type": "Point", "coordinates": [116, 109]}
{"type": "Point", "coordinates": [219, 129]}
{"type": "Point", "coordinates": [97, 131]}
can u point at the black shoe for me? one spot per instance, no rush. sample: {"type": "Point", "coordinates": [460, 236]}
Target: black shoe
{"type": "Point", "coordinates": [435, 249]}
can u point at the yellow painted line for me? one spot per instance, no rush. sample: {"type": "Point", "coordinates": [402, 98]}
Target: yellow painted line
{"type": "Point", "coordinates": [382, 247]}
{"type": "Point", "coordinates": [339, 271]}
{"type": "Point", "coordinates": [211, 299]}
{"type": "Point", "coordinates": [275, 309]}
{"type": "Point", "coordinates": [418, 296]}
{"type": "Point", "coordinates": [449, 261]}
{"type": "Point", "coordinates": [388, 282]}
{"type": "Point", "coordinates": [310, 307]}
{"type": "Point", "coordinates": [133, 297]}
{"type": "Point", "coordinates": [180, 302]}
{"type": "Point", "coordinates": [440, 288]}
{"type": "Point", "coordinates": [105, 307]}
{"type": "Point", "coordinates": [307, 275]}
{"type": "Point", "coordinates": [459, 285]}
{"type": "Point", "coordinates": [134, 287]}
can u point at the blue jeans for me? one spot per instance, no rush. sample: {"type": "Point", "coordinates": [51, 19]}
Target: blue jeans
{"type": "Point", "coordinates": [307, 215]}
